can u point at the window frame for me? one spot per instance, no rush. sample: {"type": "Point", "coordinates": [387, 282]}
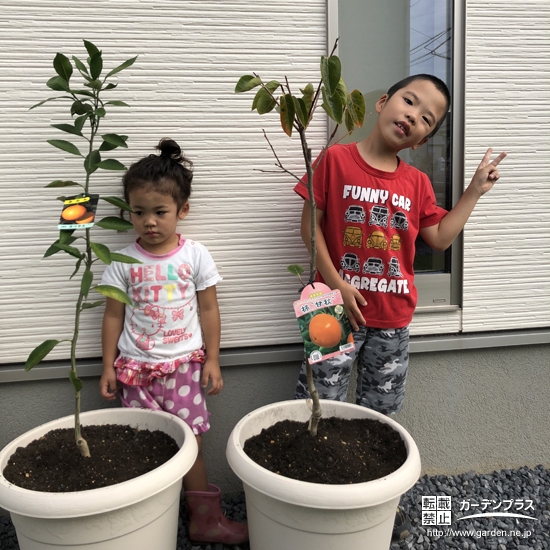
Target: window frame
{"type": "Point", "coordinates": [437, 292]}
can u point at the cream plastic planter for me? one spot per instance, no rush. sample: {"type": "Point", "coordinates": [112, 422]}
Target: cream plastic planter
{"type": "Point", "coordinates": [139, 513]}
{"type": "Point", "coordinates": [286, 513]}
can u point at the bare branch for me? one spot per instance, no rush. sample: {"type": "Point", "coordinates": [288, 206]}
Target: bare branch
{"type": "Point", "coordinates": [279, 164]}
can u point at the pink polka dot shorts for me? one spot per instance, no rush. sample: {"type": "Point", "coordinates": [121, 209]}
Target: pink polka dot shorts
{"type": "Point", "coordinates": [178, 393]}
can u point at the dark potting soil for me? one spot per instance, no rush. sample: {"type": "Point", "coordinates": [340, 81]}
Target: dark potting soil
{"type": "Point", "coordinates": [344, 450]}
{"type": "Point", "coordinates": [118, 453]}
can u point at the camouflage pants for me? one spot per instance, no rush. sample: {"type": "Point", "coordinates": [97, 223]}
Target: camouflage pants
{"type": "Point", "coordinates": [382, 361]}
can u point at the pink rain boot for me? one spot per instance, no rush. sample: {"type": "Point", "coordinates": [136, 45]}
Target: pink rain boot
{"type": "Point", "coordinates": [207, 522]}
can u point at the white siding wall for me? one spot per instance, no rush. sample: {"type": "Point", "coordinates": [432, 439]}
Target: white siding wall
{"type": "Point", "coordinates": [191, 54]}
{"type": "Point", "coordinates": [507, 241]}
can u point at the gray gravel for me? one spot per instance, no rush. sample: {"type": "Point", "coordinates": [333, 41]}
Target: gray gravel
{"type": "Point", "coordinates": [526, 488]}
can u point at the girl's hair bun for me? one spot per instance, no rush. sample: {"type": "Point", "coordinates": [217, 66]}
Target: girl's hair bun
{"type": "Point", "coordinates": [170, 149]}
{"type": "Point", "coordinates": [169, 173]}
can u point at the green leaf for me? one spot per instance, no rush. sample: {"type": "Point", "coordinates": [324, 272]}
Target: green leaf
{"type": "Point", "coordinates": [117, 103]}
{"type": "Point", "coordinates": [123, 259]}
{"type": "Point", "coordinates": [65, 146]}
{"type": "Point", "coordinates": [263, 102]}
{"type": "Point", "coordinates": [77, 383]}
{"type": "Point", "coordinates": [60, 183]}
{"type": "Point", "coordinates": [117, 224]}
{"type": "Point", "coordinates": [272, 85]}
{"type": "Point", "coordinates": [119, 203]}
{"type": "Point", "coordinates": [96, 65]}
{"type": "Point", "coordinates": [287, 111]}
{"type": "Point", "coordinates": [39, 352]}
{"type": "Point", "coordinates": [126, 64]}
{"type": "Point", "coordinates": [358, 102]}
{"type": "Point", "coordinates": [86, 282]}
{"type": "Point", "coordinates": [102, 252]}
{"type": "Point", "coordinates": [333, 106]}
{"type": "Point", "coordinates": [80, 66]}
{"type": "Point", "coordinates": [113, 292]}
{"type": "Point", "coordinates": [295, 269]}
{"type": "Point", "coordinates": [45, 101]}
{"type": "Point", "coordinates": [54, 248]}
{"type": "Point", "coordinates": [90, 48]}
{"type": "Point", "coordinates": [308, 94]}
{"type": "Point", "coordinates": [79, 122]}
{"type": "Point", "coordinates": [247, 82]}
{"type": "Point", "coordinates": [91, 305]}
{"type": "Point", "coordinates": [349, 120]}
{"type": "Point", "coordinates": [111, 164]}
{"type": "Point", "coordinates": [342, 91]}
{"type": "Point", "coordinates": [63, 66]}
{"type": "Point", "coordinates": [331, 71]}
{"type": "Point", "coordinates": [91, 161]}
{"type": "Point", "coordinates": [100, 113]}
{"type": "Point", "coordinates": [110, 86]}
{"type": "Point", "coordinates": [58, 83]}
{"type": "Point", "coordinates": [83, 92]}
{"type": "Point", "coordinates": [73, 251]}
{"type": "Point", "coordinates": [116, 140]}
{"type": "Point", "coordinates": [69, 128]}
{"type": "Point", "coordinates": [106, 146]}
{"type": "Point", "coordinates": [76, 268]}
{"type": "Point", "coordinates": [80, 108]}
{"type": "Point", "coordinates": [301, 111]}
{"type": "Point", "coordinates": [66, 236]}
{"type": "Point", "coordinates": [95, 84]}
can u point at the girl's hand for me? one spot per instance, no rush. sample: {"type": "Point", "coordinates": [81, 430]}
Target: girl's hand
{"type": "Point", "coordinates": [211, 372]}
{"type": "Point", "coordinates": [487, 173]}
{"type": "Point", "coordinates": [108, 385]}
{"type": "Point", "coordinates": [352, 297]}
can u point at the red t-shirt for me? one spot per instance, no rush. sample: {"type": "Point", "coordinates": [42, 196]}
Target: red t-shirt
{"type": "Point", "coordinates": [370, 224]}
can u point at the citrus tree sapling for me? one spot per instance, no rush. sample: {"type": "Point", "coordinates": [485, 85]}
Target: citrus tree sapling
{"type": "Point", "coordinates": [87, 108]}
{"type": "Point", "coordinates": [296, 113]}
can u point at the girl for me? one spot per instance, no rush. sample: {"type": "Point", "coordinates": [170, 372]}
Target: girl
{"type": "Point", "coordinates": [154, 350]}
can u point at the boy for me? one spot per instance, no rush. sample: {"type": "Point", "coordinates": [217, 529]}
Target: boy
{"type": "Point", "coordinates": [364, 190]}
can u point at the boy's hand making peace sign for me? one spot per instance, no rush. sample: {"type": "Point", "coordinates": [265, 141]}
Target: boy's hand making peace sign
{"type": "Point", "coordinates": [487, 173]}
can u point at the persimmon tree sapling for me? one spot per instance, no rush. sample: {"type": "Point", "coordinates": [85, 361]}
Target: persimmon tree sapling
{"type": "Point", "coordinates": [296, 112]}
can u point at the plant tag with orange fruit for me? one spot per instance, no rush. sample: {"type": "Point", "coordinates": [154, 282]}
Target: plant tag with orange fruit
{"type": "Point", "coordinates": [323, 323]}
{"type": "Point", "coordinates": [78, 212]}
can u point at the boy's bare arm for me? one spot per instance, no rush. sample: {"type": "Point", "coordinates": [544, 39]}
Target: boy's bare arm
{"type": "Point", "coordinates": [113, 323]}
{"type": "Point", "coordinates": [211, 329]}
{"type": "Point", "coordinates": [350, 294]}
{"type": "Point", "coordinates": [442, 235]}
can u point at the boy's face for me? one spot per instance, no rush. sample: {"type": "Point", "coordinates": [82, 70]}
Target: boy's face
{"type": "Point", "coordinates": [408, 117]}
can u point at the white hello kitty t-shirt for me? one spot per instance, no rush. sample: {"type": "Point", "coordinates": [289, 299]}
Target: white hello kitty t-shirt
{"type": "Point", "coordinates": [163, 323]}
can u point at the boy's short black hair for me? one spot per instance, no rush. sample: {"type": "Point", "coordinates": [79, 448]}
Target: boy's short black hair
{"type": "Point", "coordinates": [437, 82]}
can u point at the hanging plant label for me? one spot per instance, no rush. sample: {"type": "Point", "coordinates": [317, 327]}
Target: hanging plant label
{"type": "Point", "coordinates": [323, 323]}
{"type": "Point", "coordinates": [78, 212]}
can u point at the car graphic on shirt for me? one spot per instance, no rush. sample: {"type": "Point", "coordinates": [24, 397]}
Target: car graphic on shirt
{"type": "Point", "coordinates": [375, 266]}
{"type": "Point", "coordinates": [394, 269]}
{"type": "Point", "coordinates": [395, 242]}
{"type": "Point", "coordinates": [353, 236]}
{"type": "Point", "coordinates": [399, 221]}
{"type": "Point", "coordinates": [377, 239]}
{"type": "Point", "coordinates": [355, 214]}
{"type": "Point", "coordinates": [350, 262]}
{"type": "Point", "coordinates": [379, 216]}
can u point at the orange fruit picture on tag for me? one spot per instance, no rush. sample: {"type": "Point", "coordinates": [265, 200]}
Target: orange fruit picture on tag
{"type": "Point", "coordinates": [73, 212]}
{"type": "Point", "coordinates": [325, 330]}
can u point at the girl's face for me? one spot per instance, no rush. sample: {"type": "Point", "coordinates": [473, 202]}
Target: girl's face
{"type": "Point", "coordinates": [155, 220]}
